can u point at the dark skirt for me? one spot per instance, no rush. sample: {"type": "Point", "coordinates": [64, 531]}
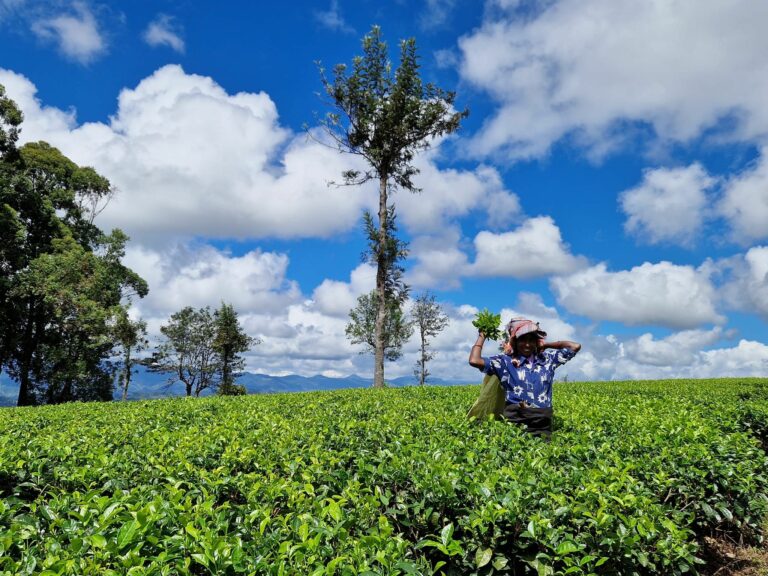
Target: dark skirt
{"type": "Point", "coordinates": [537, 421]}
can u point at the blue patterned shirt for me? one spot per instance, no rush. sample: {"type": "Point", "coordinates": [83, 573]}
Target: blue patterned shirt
{"type": "Point", "coordinates": [531, 381]}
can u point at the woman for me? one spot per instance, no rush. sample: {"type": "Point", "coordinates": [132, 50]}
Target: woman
{"type": "Point", "coordinates": [526, 371]}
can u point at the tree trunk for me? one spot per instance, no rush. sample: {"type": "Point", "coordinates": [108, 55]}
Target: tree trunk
{"type": "Point", "coordinates": [381, 274]}
{"type": "Point", "coordinates": [423, 359]}
{"type": "Point", "coordinates": [25, 384]}
{"type": "Point", "coordinates": [126, 373]}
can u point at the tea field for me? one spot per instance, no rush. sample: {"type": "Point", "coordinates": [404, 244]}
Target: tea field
{"type": "Point", "coordinates": [637, 477]}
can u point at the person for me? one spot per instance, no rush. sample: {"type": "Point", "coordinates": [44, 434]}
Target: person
{"type": "Point", "coordinates": [526, 371]}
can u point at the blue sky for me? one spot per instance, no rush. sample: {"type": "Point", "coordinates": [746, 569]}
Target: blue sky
{"type": "Point", "coordinates": [611, 180]}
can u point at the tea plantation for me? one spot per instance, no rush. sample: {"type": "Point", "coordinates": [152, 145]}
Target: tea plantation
{"type": "Point", "coordinates": [386, 482]}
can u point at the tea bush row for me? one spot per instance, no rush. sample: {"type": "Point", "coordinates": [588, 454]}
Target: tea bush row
{"type": "Point", "coordinates": [384, 482]}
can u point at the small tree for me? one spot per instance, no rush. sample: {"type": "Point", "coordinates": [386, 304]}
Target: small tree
{"type": "Point", "coordinates": [361, 327]}
{"type": "Point", "coordinates": [386, 118]}
{"type": "Point", "coordinates": [130, 336]}
{"type": "Point", "coordinates": [430, 320]}
{"type": "Point", "coordinates": [229, 341]}
{"type": "Point", "coordinates": [187, 352]}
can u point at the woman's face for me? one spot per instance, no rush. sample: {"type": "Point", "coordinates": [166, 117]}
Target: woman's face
{"type": "Point", "coordinates": [527, 344]}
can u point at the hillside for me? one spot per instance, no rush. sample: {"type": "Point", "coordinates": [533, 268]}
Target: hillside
{"type": "Point", "coordinates": [640, 478]}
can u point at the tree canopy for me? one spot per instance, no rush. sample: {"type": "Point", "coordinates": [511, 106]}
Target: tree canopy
{"type": "Point", "coordinates": [62, 281]}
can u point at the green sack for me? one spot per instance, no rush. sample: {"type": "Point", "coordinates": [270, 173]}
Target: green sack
{"type": "Point", "coordinates": [490, 401]}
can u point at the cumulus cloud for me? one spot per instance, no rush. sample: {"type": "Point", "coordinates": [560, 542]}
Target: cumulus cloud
{"type": "Point", "coordinates": [678, 349]}
{"type": "Point", "coordinates": [746, 284]}
{"type": "Point", "coordinates": [189, 275]}
{"type": "Point", "coordinates": [535, 248]}
{"type": "Point", "coordinates": [450, 193]}
{"type": "Point", "coordinates": [438, 260]}
{"type": "Point", "coordinates": [745, 202]}
{"type": "Point", "coordinates": [337, 298]}
{"type": "Point", "coordinates": [591, 68]}
{"type": "Point", "coordinates": [662, 294]}
{"type": "Point", "coordinates": [164, 31]}
{"type": "Point", "coordinates": [670, 205]}
{"type": "Point", "coordinates": [189, 159]}
{"type": "Point", "coordinates": [76, 34]}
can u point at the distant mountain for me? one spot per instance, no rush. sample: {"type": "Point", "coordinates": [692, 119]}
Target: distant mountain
{"type": "Point", "coordinates": [145, 384]}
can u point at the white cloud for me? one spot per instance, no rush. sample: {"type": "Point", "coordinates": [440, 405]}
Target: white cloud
{"type": "Point", "coordinates": [534, 249]}
{"type": "Point", "coordinates": [201, 276]}
{"type": "Point", "coordinates": [748, 358]}
{"type": "Point", "coordinates": [669, 206]}
{"type": "Point", "coordinates": [663, 294]}
{"type": "Point", "coordinates": [337, 298]}
{"type": "Point", "coordinates": [436, 14]}
{"type": "Point", "coordinates": [40, 122]}
{"type": "Point", "coordinates": [746, 287]}
{"type": "Point", "coordinates": [450, 193]}
{"type": "Point", "coordinates": [77, 34]}
{"type": "Point", "coordinates": [189, 159]}
{"type": "Point", "coordinates": [439, 261]}
{"type": "Point", "coordinates": [163, 31]}
{"type": "Point", "coordinates": [332, 19]}
{"type": "Point", "coordinates": [588, 67]}
{"type": "Point", "coordinates": [678, 349]}
{"type": "Point", "coordinates": [745, 202]}
{"type": "Point", "coordinates": [306, 336]}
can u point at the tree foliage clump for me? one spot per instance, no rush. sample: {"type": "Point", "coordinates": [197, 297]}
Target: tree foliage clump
{"type": "Point", "coordinates": [429, 320]}
{"type": "Point", "coordinates": [201, 350]}
{"type": "Point", "coordinates": [130, 337]}
{"type": "Point", "coordinates": [386, 117]}
{"type": "Point", "coordinates": [361, 328]}
{"type": "Point", "coordinates": [62, 282]}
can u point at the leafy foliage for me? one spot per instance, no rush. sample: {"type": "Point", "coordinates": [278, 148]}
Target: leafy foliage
{"type": "Point", "coordinates": [429, 320]}
{"type": "Point", "coordinates": [201, 350]}
{"type": "Point", "coordinates": [130, 336]}
{"type": "Point", "coordinates": [61, 279]}
{"type": "Point", "coordinates": [361, 328]}
{"type": "Point", "coordinates": [393, 482]}
{"type": "Point", "coordinates": [187, 354]}
{"type": "Point", "coordinates": [487, 323]}
{"type": "Point", "coordinates": [228, 342]}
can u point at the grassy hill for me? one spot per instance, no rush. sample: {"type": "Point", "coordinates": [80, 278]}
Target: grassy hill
{"type": "Point", "coordinates": [640, 478]}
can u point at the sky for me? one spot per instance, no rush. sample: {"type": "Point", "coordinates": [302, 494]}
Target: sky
{"type": "Point", "coordinates": [611, 181]}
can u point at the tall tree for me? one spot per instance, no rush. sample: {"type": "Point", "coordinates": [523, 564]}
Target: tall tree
{"type": "Point", "coordinates": [47, 237]}
{"type": "Point", "coordinates": [11, 228]}
{"type": "Point", "coordinates": [386, 117]}
{"type": "Point", "coordinates": [429, 320]}
{"type": "Point", "coordinates": [229, 341]}
{"type": "Point", "coordinates": [188, 353]}
{"type": "Point", "coordinates": [130, 337]}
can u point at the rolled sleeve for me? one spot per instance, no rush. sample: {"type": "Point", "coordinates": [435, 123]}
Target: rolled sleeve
{"type": "Point", "coordinates": [561, 356]}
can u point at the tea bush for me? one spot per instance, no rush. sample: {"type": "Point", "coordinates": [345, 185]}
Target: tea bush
{"type": "Point", "coordinates": [393, 481]}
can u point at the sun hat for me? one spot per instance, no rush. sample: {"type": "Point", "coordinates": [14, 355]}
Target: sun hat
{"type": "Point", "coordinates": [518, 327]}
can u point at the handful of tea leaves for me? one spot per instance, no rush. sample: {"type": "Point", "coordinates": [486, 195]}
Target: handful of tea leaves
{"type": "Point", "coordinates": [488, 324]}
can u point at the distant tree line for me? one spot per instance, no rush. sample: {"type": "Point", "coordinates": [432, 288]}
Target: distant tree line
{"type": "Point", "coordinates": [65, 330]}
